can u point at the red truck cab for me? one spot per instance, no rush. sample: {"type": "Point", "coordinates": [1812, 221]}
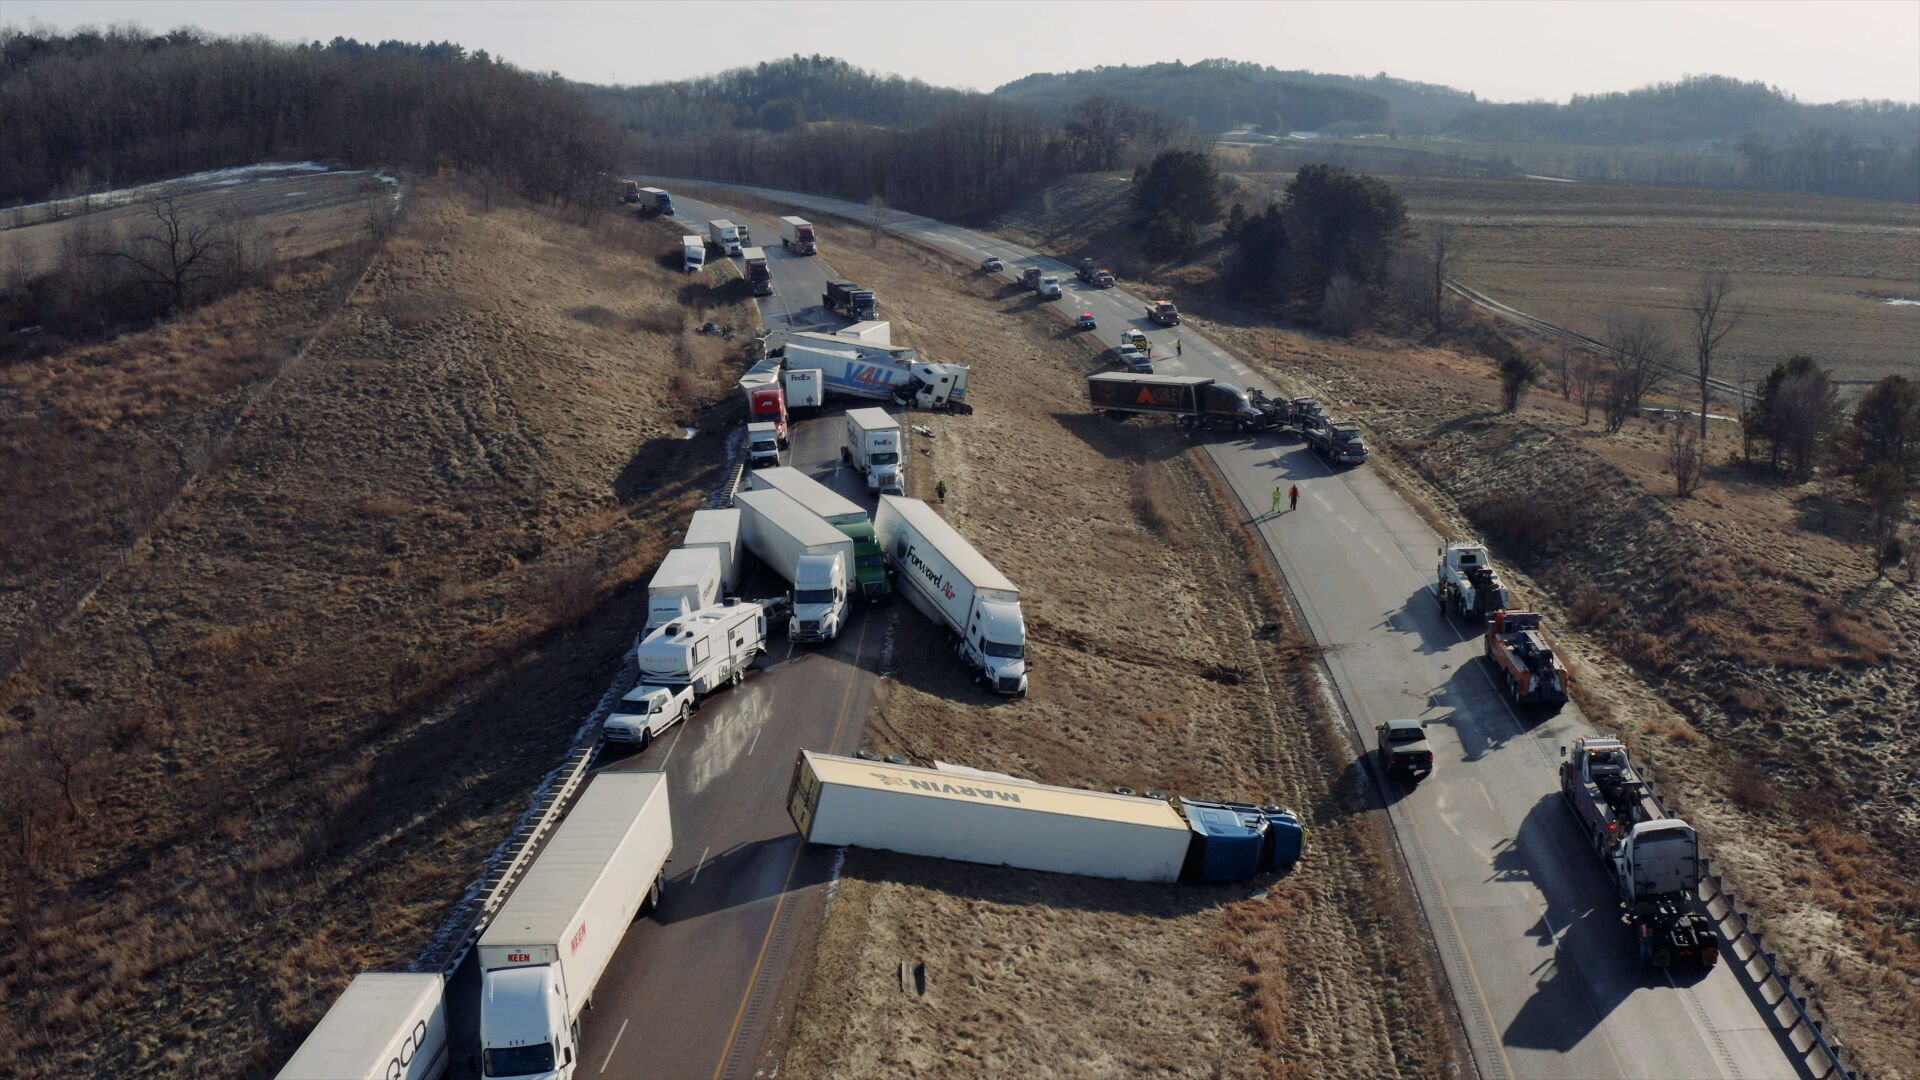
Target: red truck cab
{"type": "Point", "coordinates": [768, 405]}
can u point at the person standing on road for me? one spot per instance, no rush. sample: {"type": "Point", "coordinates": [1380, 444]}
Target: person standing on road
{"type": "Point", "coordinates": [1276, 498]}
{"type": "Point", "coordinates": [1178, 346]}
{"type": "Point", "coordinates": [1293, 497]}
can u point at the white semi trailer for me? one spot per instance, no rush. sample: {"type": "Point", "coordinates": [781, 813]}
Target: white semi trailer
{"type": "Point", "coordinates": [688, 579]}
{"type": "Point", "coordinates": [857, 367]}
{"type": "Point", "coordinates": [872, 447]}
{"type": "Point", "coordinates": [972, 816]}
{"type": "Point", "coordinates": [827, 504]}
{"type": "Point", "coordinates": [719, 530]}
{"type": "Point", "coordinates": [724, 235]}
{"type": "Point", "coordinates": [796, 235]}
{"type": "Point", "coordinates": [816, 558]}
{"type": "Point", "coordinates": [384, 1026]}
{"type": "Point", "coordinates": [958, 588]}
{"type": "Point", "coordinates": [545, 951]}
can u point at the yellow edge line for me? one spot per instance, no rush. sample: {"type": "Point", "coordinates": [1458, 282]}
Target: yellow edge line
{"type": "Point", "coordinates": [767, 941]}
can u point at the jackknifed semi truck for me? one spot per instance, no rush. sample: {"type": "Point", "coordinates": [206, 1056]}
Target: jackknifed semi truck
{"type": "Point", "coordinates": [813, 556]}
{"type": "Point", "coordinates": [862, 367]}
{"type": "Point", "coordinates": [383, 1026]}
{"type": "Point", "coordinates": [945, 577]}
{"type": "Point", "coordinates": [950, 812]}
{"type": "Point", "coordinates": [1194, 400]}
{"type": "Point", "coordinates": [545, 950]}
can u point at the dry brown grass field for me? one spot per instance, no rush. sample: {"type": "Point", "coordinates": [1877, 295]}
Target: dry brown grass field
{"type": "Point", "coordinates": [1163, 658]}
{"type": "Point", "coordinates": [1813, 274]}
{"type": "Point", "coordinates": [278, 742]}
{"type": "Point", "coordinates": [1741, 639]}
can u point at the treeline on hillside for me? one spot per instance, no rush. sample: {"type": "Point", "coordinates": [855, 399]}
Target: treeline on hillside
{"type": "Point", "coordinates": [1692, 111]}
{"type": "Point", "coordinates": [965, 165]}
{"type": "Point", "coordinates": [774, 96]}
{"type": "Point", "coordinates": [1214, 95]}
{"type": "Point", "coordinates": [92, 110]}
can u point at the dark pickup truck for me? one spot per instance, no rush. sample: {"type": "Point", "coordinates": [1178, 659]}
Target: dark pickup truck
{"type": "Point", "coordinates": [1404, 749]}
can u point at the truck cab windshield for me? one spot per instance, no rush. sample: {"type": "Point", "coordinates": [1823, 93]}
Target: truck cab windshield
{"type": "Point", "coordinates": [520, 1060]}
{"type": "Point", "coordinates": [1004, 650]}
{"type": "Point", "coordinates": [883, 459]}
{"type": "Point", "coordinates": [813, 596]}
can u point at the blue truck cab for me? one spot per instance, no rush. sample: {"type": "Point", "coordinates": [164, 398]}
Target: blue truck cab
{"type": "Point", "coordinates": [1233, 841]}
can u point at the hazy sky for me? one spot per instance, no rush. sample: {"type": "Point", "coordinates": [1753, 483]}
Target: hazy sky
{"type": "Point", "coordinates": [1517, 50]}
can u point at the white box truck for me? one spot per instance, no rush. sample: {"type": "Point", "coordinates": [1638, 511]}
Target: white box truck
{"type": "Point", "coordinates": [872, 447]}
{"type": "Point", "coordinates": [796, 235]}
{"type": "Point", "coordinates": [719, 530]}
{"type": "Point", "coordinates": [693, 254]}
{"type": "Point", "coordinates": [814, 556]}
{"type": "Point", "coordinates": [549, 944]}
{"type": "Point", "coordinates": [950, 812]}
{"type": "Point", "coordinates": [724, 235]}
{"type": "Point", "coordinates": [385, 1026]}
{"type": "Point", "coordinates": [688, 579]}
{"type": "Point", "coordinates": [763, 445]}
{"type": "Point", "coordinates": [958, 588]}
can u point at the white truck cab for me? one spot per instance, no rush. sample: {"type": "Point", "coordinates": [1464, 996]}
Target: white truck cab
{"type": "Point", "coordinates": [1049, 287]}
{"type": "Point", "coordinates": [524, 1015]}
{"type": "Point", "coordinates": [763, 445]}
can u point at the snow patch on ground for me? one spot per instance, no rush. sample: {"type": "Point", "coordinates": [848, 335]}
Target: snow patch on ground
{"type": "Point", "coordinates": [1899, 301]}
{"type": "Point", "coordinates": [238, 174]}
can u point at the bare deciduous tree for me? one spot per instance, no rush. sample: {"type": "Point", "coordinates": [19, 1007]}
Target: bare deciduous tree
{"type": "Point", "coordinates": [1589, 374]}
{"type": "Point", "coordinates": [1443, 250]}
{"type": "Point", "coordinates": [1686, 458]}
{"type": "Point", "coordinates": [1636, 359]}
{"type": "Point", "coordinates": [1712, 321]}
{"type": "Point", "coordinates": [178, 253]}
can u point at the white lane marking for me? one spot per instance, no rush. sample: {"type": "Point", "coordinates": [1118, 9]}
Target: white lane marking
{"type": "Point", "coordinates": [676, 742]}
{"type": "Point", "coordinates": [755, 742]}
{"type": "Point", "coordinates": [697, 866]}
{"type": "Point", "coordinates": [616, 1043]}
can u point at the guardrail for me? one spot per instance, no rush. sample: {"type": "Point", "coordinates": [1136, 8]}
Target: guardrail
{"type": "Point", "coordinates": [510, 860]}
{"type": "Point", "coordinates": [1767, 980]}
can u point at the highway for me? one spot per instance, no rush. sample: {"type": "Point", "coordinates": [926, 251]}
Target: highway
{"type": "Point", "coordinates": [1521, 912]}
{"type": "Point", "coordinates": [693, 988]}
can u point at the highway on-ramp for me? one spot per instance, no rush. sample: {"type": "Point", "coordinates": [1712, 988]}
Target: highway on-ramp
{"type": "Point", "coordinates": [695, 987]}
{"type": "Point", "coordinates": [1522, 914]}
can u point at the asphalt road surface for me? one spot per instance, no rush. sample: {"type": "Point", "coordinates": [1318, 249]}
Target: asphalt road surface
{"type": "Point", "coordinates": [1521, 911]}
{"type": "Point", "coordinates": [693, 987]}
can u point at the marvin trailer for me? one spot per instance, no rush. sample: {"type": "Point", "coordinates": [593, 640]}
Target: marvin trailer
{"type": "Point", "coordinates": [950, 812]}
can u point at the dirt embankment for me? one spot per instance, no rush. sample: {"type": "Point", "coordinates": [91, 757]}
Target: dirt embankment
{"type": "Point", "coordinates": [276, 746]}
{"type": "Point", "coordinates": [1160, 660]}
{"type": "Point", "coordinates": [1740, 638]}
